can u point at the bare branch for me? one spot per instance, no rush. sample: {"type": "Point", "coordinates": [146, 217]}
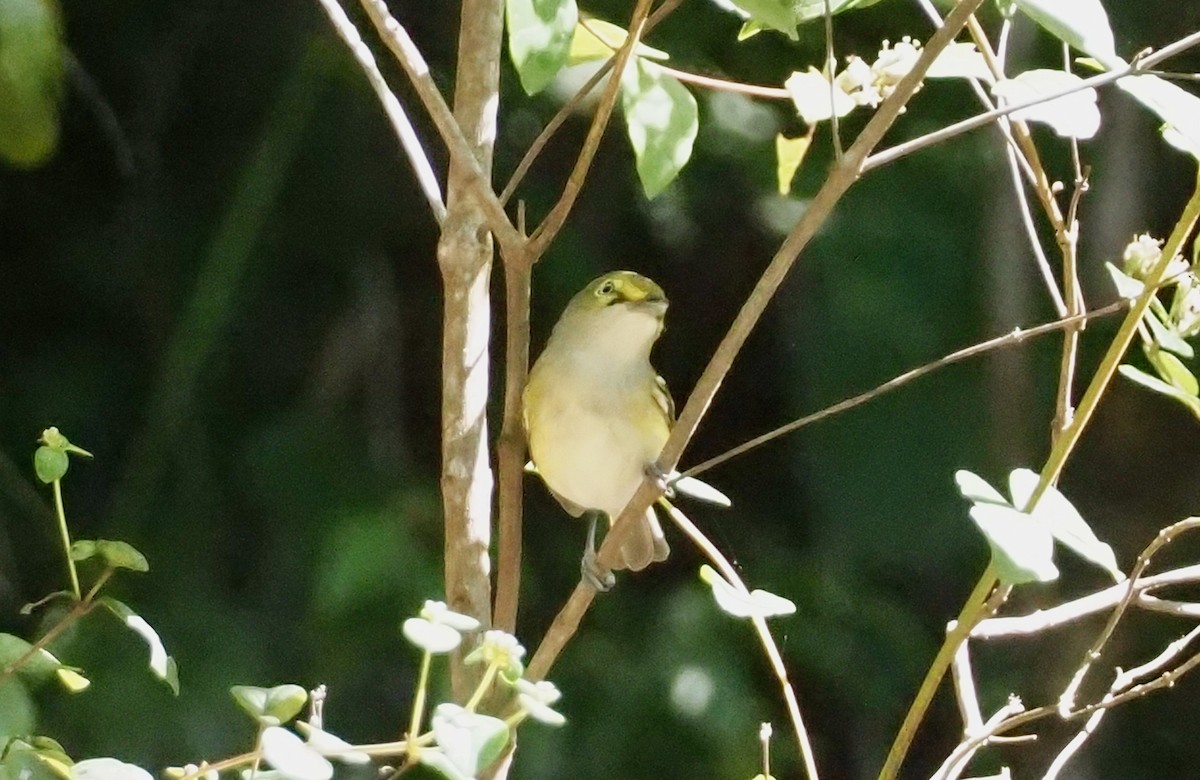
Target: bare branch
{"type": "Point", "coordinates": [396, 115]}
{"type": "Point", "coordinates": [397, 39]}
{"type": "Point", "coordinates": [1017, 336]}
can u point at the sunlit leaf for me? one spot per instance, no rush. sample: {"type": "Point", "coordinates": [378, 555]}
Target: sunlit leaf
{"type": "Point", "coordinates": [1127, 286]}
{"type": "Point", "coordinates": [1178, 108]}
{"type": "Point", "coordinates": [1062, 519]}
{"type": "Point", "coordinates": [1022, 548]}
{"type": "Point", "coordinates": [469, 741]}
{"type": "Point", "coordinates": [331, 745]}
{"type": "Point", "coordinates": [698, 489]}
{"type": "Point", "coordinates": [815, 99]}
{"type": "Point", "coordinates": [292, 758]}
{"type": "Point", "coordinates": [18, 715]}
{"type": "Point", "coordinates": [789, 154]}
{"type": "Point", "coordinates": [662, 121]}
{"type": "Point", "coordinates": [1167, 338]}
{"type": "Point", "coordinates": [1159, 386]}
{"type": "Point", "coordinates": [741, 604]}
{"type": "Point", "coordinates": [436, 638]}
{"type": "Point", "coordinates": [960, 60]}
{"type": "Point", "coordinates": [598, 39]}
{"type": "Point", "coordinates": [975, 488]}
{"type": "Point", "coordinates": [1072, 116]}
{"type": "Point", "coordinates": [161, 664]}
{"type": "Point", "coordinates": [1083, 24]}
{"type": "Point", "coordinates": [1173, 371]}
{"type": "Point", "coordinates": [107, 769]}
{"type": "Point", "coordinates": [539, 39]}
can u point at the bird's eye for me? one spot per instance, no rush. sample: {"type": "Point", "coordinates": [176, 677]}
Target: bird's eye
{"type": "Point", "coordinates": [606, 289]}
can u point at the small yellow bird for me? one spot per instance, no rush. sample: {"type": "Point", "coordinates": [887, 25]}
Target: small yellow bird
{"type": "Point", "coordinates": [597, 414]}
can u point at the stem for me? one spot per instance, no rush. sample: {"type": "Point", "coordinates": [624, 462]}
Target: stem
{"type": "Point", "coordinates": [972, 612]}
{"type": "Point", "coordinates": [485, 682]}
{"type": "Point", "coordinates": [66, 537]}
{"type": "Point", "coordinates": [418, 710]}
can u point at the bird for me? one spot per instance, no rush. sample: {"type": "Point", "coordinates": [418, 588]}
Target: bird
{"type": "Point", "coordinates": [597, 414]}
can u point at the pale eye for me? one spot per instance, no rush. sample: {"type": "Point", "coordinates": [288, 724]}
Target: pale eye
{"type": "Point", "coordinates": [606, 289]}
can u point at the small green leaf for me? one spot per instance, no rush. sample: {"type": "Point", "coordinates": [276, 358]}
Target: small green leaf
{"type": "Point", "coordinates": [1172, 370]}
{"type": "Point", "coordinates": [1083, 24]}
{"type": "Point", "coordinates": [49, 464]}
{"type": "Point", "coordinates": [162, 665]}
{"type": "Point", "coordinates": [1166, 337]}
{"type": "Point", "coordinates": [662, 121]}
{"type": "Point", "coordinates": [744, 604]}
{"type": "Point", "coordinates": [115, 554]}
{"type": "Point", "coordinates": [598, 40]}
{"type": "Point", "coordinates": [274, 706]}
{"type": "Point", "coordinates": [789, 153]}
{"type": "Point", "coordinates": [292, 758]}
{"type": "Point", "coordinates": [1159, 386]}
{"type": "Point", "coordinates": [1022, 548]}
{"type": "Point", "coordinates": [469, 741]}
{"type": "Point", "coordinates": [539, 39]}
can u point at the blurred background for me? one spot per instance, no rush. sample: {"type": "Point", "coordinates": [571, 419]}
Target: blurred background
{"type": "Point", "coordinates": [222, 283]}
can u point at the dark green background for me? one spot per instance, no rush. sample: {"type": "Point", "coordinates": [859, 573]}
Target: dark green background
{"type": "Point", "coordinates": [224, 286]}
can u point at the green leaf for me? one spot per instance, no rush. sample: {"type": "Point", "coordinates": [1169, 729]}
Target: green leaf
{"type": "Point", "coordinates": [115, 554]}
{"type": "Point", "coordinates": [17, 713]}
{"type": "Point", "coordinates": [273, 706]}
{"type": "Point", "coordinates": [1178, 108]}
{"type": "Point", "coordinates": [1083, 24]}
{"type": "Point", "coordinates": [662, 121]}
{"type": "Point", "coordinates": [539, 39]}
{"type": "Point", "coordinates": [292, 758]}
{"type": "Point", "coordinates": [1173, 371]}
{"type": "Point", "coordinates": [598, 40]}
{"type": "Point", "coordinates": [1064, 522]}
{"type": "Point", "coordinates": [38, 666]}
{"type": "Point", "coordinates": [1159, 386]}
{"type": "Point", "coordinates": [470, 742]}
{"type": "Point", "coordinates": [1167, 338]}
{"type": "Point", "coordinates": [1022, 548]}
{"type": "Point", "coordinates": [789, 154]}
{"type": "Point", "coordinates": [31, 79]}
{"type": "Point", "coordinates": [50, 464]}
{"type": "Point", "coordinates": [162, 665]}
{"type": "Point", "coordinates": [1127, 286]}
{"type": "Point", "coordinates": [776, 15]}
{"type": "Point", "coordinates": [37, 758]}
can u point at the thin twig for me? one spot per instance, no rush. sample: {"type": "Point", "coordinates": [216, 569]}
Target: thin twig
{"type": "Point", "coordinates": [760, 626]}
{"type": "Point", "coordinates": [831, 69]}
{"type": "Point", "coordinates": [557, 217]}
{"type": "Point", "coordinates": [1135, 68]}
{"type": "Point", "coordinates": [401, 125]}
{"type": "Point", "coordinates": [398, 41]}
{"type": "Point", "coordinates": [1165, 537]}
{"type": "Point", "coordinates": [1085, 606]}
{"type": "Point", "coordinates": [1017, 336]}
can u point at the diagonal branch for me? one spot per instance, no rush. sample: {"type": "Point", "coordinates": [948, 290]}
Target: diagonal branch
{"type": "Point", "coordinates": [391, 106]}
{"type": "Point", "coordinates": [398, 41]}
